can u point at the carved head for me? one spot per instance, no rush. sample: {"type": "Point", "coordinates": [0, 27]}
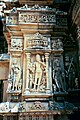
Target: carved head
{"type": "Point", "coordinates": [37, 57]}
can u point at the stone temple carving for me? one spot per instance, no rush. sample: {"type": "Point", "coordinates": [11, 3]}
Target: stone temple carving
{"type": "Point", "coordinates": [14, 81]}
{"type": "Point", "coordinates": [11, 20]}
{"type": "Point", "coordinates": [57, 44]}
{"type": "Point", "coordinates": [37, 106]}
{"type": "Point", "coordinates": [16, 44]}
{"type": "Point", "coordinates": [33, 18]}
{"type": "Point", "coordinates": [36, 79]}
{"type": "Point", "coordinates": [58, 76]}
{"type": "Point", "coordinates": [37, 41]}
{"type": "Point", "coordinates": [37, 74]}
{"type": "Point", "coordinates": [36, 7]}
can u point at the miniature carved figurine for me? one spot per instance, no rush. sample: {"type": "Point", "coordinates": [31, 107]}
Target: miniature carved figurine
{"type": "Point", "coordinates": [39, 65]}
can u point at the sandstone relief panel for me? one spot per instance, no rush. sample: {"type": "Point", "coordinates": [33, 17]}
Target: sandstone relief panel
{"type": "Point", "coordinates": [37, 73]}
{"type": "Point", "coordinates": [14, 80]}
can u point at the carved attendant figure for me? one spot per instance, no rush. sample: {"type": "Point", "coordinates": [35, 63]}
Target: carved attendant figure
{"type": "Point", "coordinates": [58, 75]}
{"type": "Point", "coordinates": [16, 75]}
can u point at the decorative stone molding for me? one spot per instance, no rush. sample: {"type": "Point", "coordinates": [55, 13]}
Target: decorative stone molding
{"type": "Point", "coordinates": [18, 16]}
{"type": "Point", "coordinates": [61, 106]}
{"type": "Point", "coordinates": [36, 18]}
{"type": "Point", "coordinates": [36, 7]}
{"type": "Point", "coordinates": [41, 108]}
{"type": "Point", "coordinates": [57, 44]}
{"type": "Point", "coordinates": [4, 107]}
{"type": "Point", "coordinates": [37, 106]}
{"type": "Point", "coordinates": [16, 44]}
{"type": "Point", "coordinates": [11, 20]}
{"type": "Point", "coordinates": [37, 41]}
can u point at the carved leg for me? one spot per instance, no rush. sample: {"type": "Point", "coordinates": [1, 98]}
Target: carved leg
{"type": "Point", "coordinates": [40, 76]}
{"type": "Point", "coordinates": [35, 82]}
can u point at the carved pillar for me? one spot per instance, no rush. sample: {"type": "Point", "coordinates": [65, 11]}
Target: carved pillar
{"type": "Point", "coordinates": [47, 76]}
{"type": "Point", "coordinates": [27, 71]}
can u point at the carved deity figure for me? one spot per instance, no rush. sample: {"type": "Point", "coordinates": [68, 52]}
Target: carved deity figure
{"type": "Point", "coordinates": [37, 74]}
{"type": "Point", "coordinates": [39, 65]}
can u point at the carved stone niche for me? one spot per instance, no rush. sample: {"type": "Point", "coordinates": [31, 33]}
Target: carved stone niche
{"type": "Point", "coordinates": [37, 75]}
{"type": "Point", "coordinates": [37, 41]}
